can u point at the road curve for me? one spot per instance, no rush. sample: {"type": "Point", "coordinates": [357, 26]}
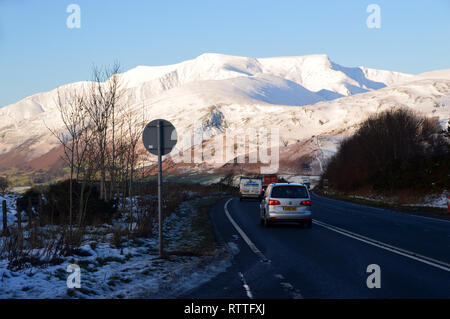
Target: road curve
{"type": "Point", "coordinates": [331, 259]}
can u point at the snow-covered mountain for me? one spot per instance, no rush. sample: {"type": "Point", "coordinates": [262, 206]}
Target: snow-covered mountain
{"type": "Point", "coordinates": [303, 96]}
{"type": "Point", "coordinates": [298, 80]}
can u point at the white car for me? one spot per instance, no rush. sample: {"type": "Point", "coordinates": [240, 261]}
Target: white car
{"type": "Point", "coordinates": [286, 203]}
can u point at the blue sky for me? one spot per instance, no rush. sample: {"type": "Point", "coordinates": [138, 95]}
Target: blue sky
{"type": "Point", "coordinates": [38, 52]}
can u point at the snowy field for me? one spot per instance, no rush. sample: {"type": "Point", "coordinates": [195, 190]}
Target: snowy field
{"type": "Point", "coordinates": [132, 271]}
{"type": "Point", "coordinates": [436, 200]}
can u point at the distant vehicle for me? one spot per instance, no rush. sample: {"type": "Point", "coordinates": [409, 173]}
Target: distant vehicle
{"type": "Point", "coordinates": [307, 182]}
{"type": "Point", "coordinates": [263, 190]}
{"type": "Point", "coordinates": [286, 203]}
{"type": "Point", "coordinates": [269, 179]}
{"type": "Point", "coordinates": [250, 188]}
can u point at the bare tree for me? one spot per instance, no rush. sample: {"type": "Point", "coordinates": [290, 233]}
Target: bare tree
{"type": "Point", "coordinates": [87, 166]}
{"type": "Point", "coordinates": [135, 127]}
{"type": "Point", "coordinates": [121, 162]}
{"type": "Point", "coordinates": [103, 98]}
{"type": "Point", "coordinates": [71, 106]}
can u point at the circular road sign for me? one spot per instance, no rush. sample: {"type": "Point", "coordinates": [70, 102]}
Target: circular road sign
{"type": "Point", "coordinates": [168, 136]}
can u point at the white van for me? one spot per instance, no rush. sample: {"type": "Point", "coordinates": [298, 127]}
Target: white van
{"type": "Point", "coordinates": [250, 188]}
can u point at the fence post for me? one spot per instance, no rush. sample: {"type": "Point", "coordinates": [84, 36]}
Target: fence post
{"type": "Point", "coordinates": [5, 219]}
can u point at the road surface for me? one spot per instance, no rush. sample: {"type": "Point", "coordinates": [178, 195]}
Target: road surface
{"type": "Point", "coordinates": [330, 260]}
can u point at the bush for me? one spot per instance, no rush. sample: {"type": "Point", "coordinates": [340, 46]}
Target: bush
{"type": "Point", "coordinates": [392, 150]}
{"type": "Point", "coordinates": [4, 185]}
{"type": "Point", "coordinates": [419, 173]}
{"type": "Point", "coordinates": [31, 194]}
{"type": "Point", "coordinates": [56, 207]}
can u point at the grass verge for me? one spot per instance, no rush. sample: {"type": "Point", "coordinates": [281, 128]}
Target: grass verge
{"type": "Point", "coordinates": [426, 211]}
{"type": "Point", "coordinates": [200, 228]}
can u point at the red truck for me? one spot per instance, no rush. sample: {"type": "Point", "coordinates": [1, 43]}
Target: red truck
{"type": "Point", "coordinates": [267, 180]}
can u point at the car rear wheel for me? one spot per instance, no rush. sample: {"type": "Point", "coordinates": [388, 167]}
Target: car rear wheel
{"type": "Point", "coordinates": [309, 224]}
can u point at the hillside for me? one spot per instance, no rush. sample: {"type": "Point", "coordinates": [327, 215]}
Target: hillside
{"type": "Point", "coordinates": [313, 101]}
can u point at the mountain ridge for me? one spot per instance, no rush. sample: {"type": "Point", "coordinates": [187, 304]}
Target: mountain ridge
{"type": "Point", "coordinates": [305, 96]}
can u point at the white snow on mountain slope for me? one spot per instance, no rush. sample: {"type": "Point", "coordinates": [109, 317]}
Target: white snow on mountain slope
{"type": "Point", "coordinates": [224, 91]}
{"type": "Point", "coordinates": [329, 119]}
{"type": "Point", "coordinates": [34, 105]}
{"type": "Point", "coordinates": [438, 74]}
{"type": "Point", "coordinates": [319, 74]}
{"type": "Point", "coordinates": [315, 73]}
{"type": "Point", "coordinates": [246, 90]}
{"type": "Point", "coordinates": [386, 77]}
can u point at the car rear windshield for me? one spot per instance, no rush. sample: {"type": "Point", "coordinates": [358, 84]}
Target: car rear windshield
{"type": "Point", "coordinates": [289, 192]}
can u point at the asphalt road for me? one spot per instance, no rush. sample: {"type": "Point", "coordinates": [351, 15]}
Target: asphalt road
{"type": "Point", "coordinates": [331, 259]}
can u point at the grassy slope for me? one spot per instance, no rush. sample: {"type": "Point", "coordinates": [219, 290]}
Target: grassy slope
{"type": "Point", "coordinates": [200, 227]}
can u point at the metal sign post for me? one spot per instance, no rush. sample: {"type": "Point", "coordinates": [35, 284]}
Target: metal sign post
{"type": "Point", "coordinates": [159, 138]}
{"type": "Point", "coordinates": [160, 146]}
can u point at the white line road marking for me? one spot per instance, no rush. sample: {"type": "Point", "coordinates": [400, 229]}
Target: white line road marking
{"type": "Point", "coordinates": [244, 235]}
{"type": "Point", "coordinates": [246, 287]}
{"type": "Point", "coordinates": [438, 220]}
{"type": "Point", "coordinates": [291, 290]}
{"type": "Point", "coordinates": [426, 260]}
{"type": "Point", "coordinates": [287, 286]}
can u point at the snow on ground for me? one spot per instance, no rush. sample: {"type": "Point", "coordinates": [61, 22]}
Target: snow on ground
{"type": "Point", "coordinates": [437, 200]}
{"type": "Point", "coordinates": [434, 200]}
{"type": "Point", "coordinates": [373, 198]}
{"type": "Point", "coordinates": [437, 74]}
{"type": "Point", "coordinates": [132, 271]}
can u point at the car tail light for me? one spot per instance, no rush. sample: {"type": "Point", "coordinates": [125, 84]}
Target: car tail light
{"type": "Point", "coordinates": [274, 202]}
{"type": "Point", "coordinates": [305, 202]}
